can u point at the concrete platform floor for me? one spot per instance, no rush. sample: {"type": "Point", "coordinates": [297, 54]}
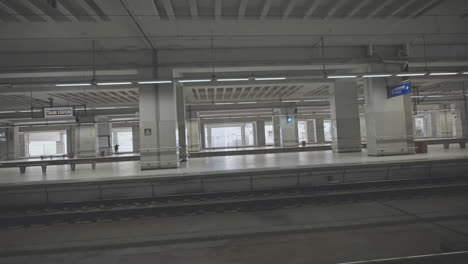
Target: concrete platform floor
{"type": "Point", "coordinates": [328, 233]}
{"type": "Point", "coordinates": [215, 165]}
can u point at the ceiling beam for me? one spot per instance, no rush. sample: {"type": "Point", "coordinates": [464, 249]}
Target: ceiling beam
{"type": "Point", "coordinates": [428, 4]}
{"type": "Point", "coordinates": [334, 8]}
{"type": "Point", "coordinates": [217, 8]}
{"type": "Point", "coordinates": [289, 8]}
{"type": "Point", "coordinates": [169, 10]}
{"type": "Point", "coordinates": [193, 9]}
{"type": "Point", "coordinates": [401, 7]}
{"type": "Point", "coordinates": [242, 8]}
{"type": "Point", "coordinates": [378, 9]}
{"type": "Point", "coordinates": [89, 9]}
{"type": "Point", "coordinates": [312, 8]}
{"type": "Point", "coordinates": [36, 10]}
{"type": "Point", "coordinates": [62, 9]}
{"type": "Point", "coordinates": [265, 9]}
{"type": "Point", "coordinates": [356, 9]}
{"type": "Point", "coordinates": [13, 12]}
{"type": "Point", "coordinates": [155, 9]}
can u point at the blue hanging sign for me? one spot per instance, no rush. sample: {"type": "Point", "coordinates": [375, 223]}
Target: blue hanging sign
{"type": "Point", "coordinates": [399, 89]}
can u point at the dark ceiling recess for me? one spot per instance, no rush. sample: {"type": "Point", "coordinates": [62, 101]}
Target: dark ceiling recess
{"type": "Point", "coordinates": [52, 3]}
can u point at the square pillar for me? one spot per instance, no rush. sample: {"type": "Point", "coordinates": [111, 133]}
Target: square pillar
{"type": "Point", "coordinates": [344, 106]}
{"type": "Point", "coordinates": [260, 133]}
{"type": "Point", "coordinates": [71, 141]}
{"type": "Point", "coordinates": [181, 130]}
{"type": "Point", "coordinates": [462, 113]}
{"type": "Point", "coordinates": [193, 137]}
{"type": "Point", "coordinates": [311, 131]}
{"type": "Point", "coordinates": [287, 128]}
{"type": "Point", "coordinates": [319, 131]}
{"type": "Point", "coordinates": [158, 123]}
{"type": "Point", "coordinates": [86, 140]}
{"type": "Point", "coordinates": [444, 121]}
{"type": "Point", "coordinates": [389, 121]}
{"type": "Point", "coordinates": [276, 129]}
{"type": "Point", "coordinates": [136, 138]}
{"type": "Point", "coordinates": [104, 135]}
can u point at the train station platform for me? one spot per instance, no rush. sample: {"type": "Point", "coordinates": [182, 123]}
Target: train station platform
{"type": "Point", "coordinates": [225, 173]}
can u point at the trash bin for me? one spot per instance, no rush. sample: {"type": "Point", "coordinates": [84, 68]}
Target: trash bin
{"type": "Point", "coordinates": [303, 143]}
{"type": "Point", "coordinates": [421, 147]}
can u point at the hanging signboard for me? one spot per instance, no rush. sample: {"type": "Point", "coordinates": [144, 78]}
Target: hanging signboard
{"type": "Point", "coordinates": [52, 112]}
{"type": "Point", "coordinates": [399, 89]}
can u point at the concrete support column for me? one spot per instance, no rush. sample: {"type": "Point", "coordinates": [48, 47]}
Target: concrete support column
{"type": "Point", "coordinates": [181, 130]}
{"type": "Point", "coordinates": [60, 147]}
{"type": "Point", "coordinates": [276, 129]}
{"type": "Point", "coordinates": [243, 141]}
{"type": "Point", "coordinates": [209, 143]}
{"type": "Point", "coordinates": [344, 106]}
{"type": "Point", "coordinates": [311, 138]}
{"type": "Point", "coordinates": [362, 123]}
{"type": "Point", "coordinates": [86, 140]}
{"type": "Point", "coordinates": [203, 139]}
{"type": "Point", "coordinates": [462, 113]}
{"type": "Point", "coordinates": [158, 124]}
{"type": "Point", "coordinates": [287, 128]}
{"type": "Point", "coordinates": [17, 143]}
{"type": "Point", "coordinates": [319, 131]}
{"type": "Point", "coordinates": [193, 137]}
{"type": "Point", "coordinates": [136, 138]}
{"type": "Point", "coordinates": [444, 123]}
{"type": "Point", "coordinates": [260, 132]}
{"type": "Point", "coordinates": [71, 141]}
{"type": "Point", "coordinates": [7, 144]}
{"type": "Point", "coordinates": [104, 136]}
{"type": "Point", "coordinates": [389, 121]}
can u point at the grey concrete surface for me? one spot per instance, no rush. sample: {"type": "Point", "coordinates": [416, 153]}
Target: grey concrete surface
{"type": "Point", "coordinates": [129, 170]}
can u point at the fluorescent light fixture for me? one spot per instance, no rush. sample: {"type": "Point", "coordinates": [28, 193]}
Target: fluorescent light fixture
{"type": "Point", "coordinates": [246, 102]}
{"type": "Point", "coordinates": [315, 100]}
{"type": "Point", "coordinates": [114, 83]}
{"type": "Point", "coordinates": [195, 81]}
{"type": "Point", "coordinates": [72, 84]}
{"type": "Point", "coordinates": [376, 75]}
{"type": "Point", "coordinates": [417, 96]}
{"type": "Point", "coordinates": [361, 98]}
{"type": "Point", "coordinates": [153, 82]}
{"type": "Point", "coordinates": [223, 103]}
{"type": "Point", "coordinates": [442, 73]}
{"type": "Point", "coordinates": [291, 101]}
{"type": "Point", "coordinates": [112, 107]}
{"type": "Point", "coordinates": [434, 96]}
{"type": "Point", "coordinates": [270, 78]}
{"type": "Point", "coordinates": [410, 74]}
{"type": "Point", "coordinates": [232, 79]}
{"type": "Point", "coordinates": [341, 76]}
{"type": "Point", "coordinates": [7, 112]}
{"type": "Point", "coordinates": [465, 73]}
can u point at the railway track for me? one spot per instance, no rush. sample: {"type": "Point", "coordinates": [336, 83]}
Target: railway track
{"type": "Point", "coordinates": [123, 209]}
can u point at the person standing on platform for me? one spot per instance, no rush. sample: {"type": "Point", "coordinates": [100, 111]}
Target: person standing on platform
{"type": "Point", "coordinates": [116, 149]}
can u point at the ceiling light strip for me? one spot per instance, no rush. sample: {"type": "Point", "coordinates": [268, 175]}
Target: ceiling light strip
{"type": "Point", "coordinates": [195, 81]}
{"type": "Point", "coordinates": [113, 83]}
{"type": "Point", "coordinates": [342, 76]}
{"type": "Point", "coordinates": [270, 78]}
{"type": "Point", "coordinates": [153, 82]}
{"type": "Point", "coordinates": [72, 84]}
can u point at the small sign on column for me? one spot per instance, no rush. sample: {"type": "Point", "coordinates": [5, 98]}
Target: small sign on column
{"type": "Point", "coordinates": [147, 131]}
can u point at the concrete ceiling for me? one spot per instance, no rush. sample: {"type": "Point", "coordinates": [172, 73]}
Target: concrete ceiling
{"type": "Point", "coordinates": [36, 37]}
